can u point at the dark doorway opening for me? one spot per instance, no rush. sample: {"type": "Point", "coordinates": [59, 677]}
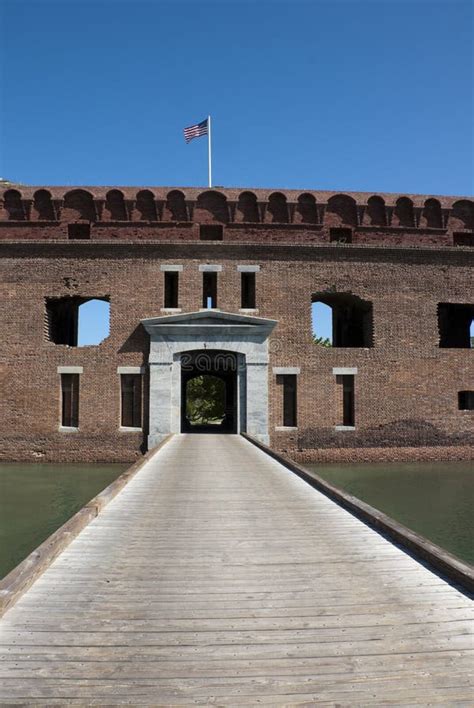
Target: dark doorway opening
{"type": "Point", "coordinates": [208, 392]}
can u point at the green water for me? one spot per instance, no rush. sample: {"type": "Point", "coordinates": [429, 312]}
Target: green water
{"type": "Point", "coordinates": [433, 499]}
{"type": "Point", "coordinates": [35, 499]}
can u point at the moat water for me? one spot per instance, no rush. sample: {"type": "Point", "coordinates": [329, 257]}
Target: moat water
{"type": "Point", "coordinates": [36, 499]}
{"type": "Point", "coordinates": [433, 499]}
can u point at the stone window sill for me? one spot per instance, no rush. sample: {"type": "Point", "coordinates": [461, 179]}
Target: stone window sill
{"type": "Point", "coordinates": [171, 309]}
{"type": "Point", "coordinates": [342, 428]}
{"type": "Point", "coordinates": [67, 429]}
{"type": "Point", "coordinates": [285, 428]}
{"type": "Point", "coordinates": [125, 429]}
{"type": "Point", "coordinates": [249, 310]}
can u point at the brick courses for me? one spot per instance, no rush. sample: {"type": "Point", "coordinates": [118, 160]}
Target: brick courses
{"type": "Point", "coordinates": [402, 259]}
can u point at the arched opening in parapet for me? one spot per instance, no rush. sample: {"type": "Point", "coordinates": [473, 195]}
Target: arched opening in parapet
{"type": "Point", "coordinates": [209, 392]}
{"type": "Point", "coordinates": [341, 210]}
{"type": "Point", "coordinates": [14, 205]}
{"type": "Point", "coordinates": [376, 211]}
{"type": "Point", "coordinates": [404, 214]}
{"type": "Point", "coordinates": [176, 206]}
{"type": "Point", "coordinates": [432, 215]}
{"type": "Point", "coordinates": [43, 206]}
{"type": "Point", "coordinates": [78, 206]}
{"type": "Point", "coordinates": [247, 208]}
{"type": "Point", "coordinates": [346, 321]}
{"type": "Point", "coordinates": [307, 209]}
{"type": "Point", "coordinates": [278, 208]}
{"type": "Point", "coordinates": [145, 205]}
{"type": "Point", "coordinates": [462, 216]}
{"type": "Point", "coordinates": [115, 206]}
{"type": "Point", "coordinates": [211, 206]}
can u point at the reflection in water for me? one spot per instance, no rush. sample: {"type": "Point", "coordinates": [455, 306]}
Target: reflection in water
{"type": "Point", "coordinates": [35, 499]}
{"type": "Point", "coordinates": [433, 499]}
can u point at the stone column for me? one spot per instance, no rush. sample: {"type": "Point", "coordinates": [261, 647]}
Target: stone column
{"type": "Point", "coordinates": [160, 402]}
{"type": "Point", "coordinates": [257, 401]}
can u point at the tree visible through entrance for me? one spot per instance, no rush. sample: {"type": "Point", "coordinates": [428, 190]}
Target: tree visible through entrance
{"type": "Point", "coordinates": [205, 400]}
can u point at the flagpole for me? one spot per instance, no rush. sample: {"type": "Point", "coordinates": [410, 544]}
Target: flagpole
{"type": "Point", "coordinates": [209, 153]}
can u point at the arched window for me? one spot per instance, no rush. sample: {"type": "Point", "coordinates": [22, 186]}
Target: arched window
{"type": "Point", "coordinates": [321, 323]}
{"type": "Point", "coordinates": [351, 320]}
{"type": "Point", "coordinates": [77, 321]}
{"type": "Point", "coordinates": [94, 322]}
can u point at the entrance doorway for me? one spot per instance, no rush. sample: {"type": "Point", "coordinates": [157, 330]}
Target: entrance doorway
{"type": "Point", "coordinates": [232, 347]}
{"type": "Point", "coordinates": [209, 392]}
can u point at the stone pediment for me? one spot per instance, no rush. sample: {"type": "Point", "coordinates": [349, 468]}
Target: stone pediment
{"type": "Point", "coordinates": [206, 322]}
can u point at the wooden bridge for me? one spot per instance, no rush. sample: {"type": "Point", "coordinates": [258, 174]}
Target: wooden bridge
{"type": "Point", "coordinates": [218, 577]}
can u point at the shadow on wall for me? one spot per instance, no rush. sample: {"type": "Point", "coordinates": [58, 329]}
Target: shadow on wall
{"type": "Point", "coordinates": [137, 341]}
{"type": "Point", "coordinates": [411, 432]}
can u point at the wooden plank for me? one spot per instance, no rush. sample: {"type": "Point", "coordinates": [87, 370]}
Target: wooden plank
{"type": "Point", "coordinates": [216, 575]}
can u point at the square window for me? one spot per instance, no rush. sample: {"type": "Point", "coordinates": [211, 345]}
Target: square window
{"type": "Point", "coordinates": [211, 232]}
{"type": "Point", "coordinates": [463, 239]}
{"type": "Point", "coordinates": [340, 235]}
{"type": "Point", "coordinates": [466, 400]}
{"type": "Point", "coordinates": [79, 231]}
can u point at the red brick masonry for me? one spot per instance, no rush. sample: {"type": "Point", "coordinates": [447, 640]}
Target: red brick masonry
{"type": "Point", "coordinates": [404, 254]}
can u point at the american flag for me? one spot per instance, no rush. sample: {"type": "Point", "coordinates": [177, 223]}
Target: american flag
{"type": "Point", "coordinates": [196, 131]}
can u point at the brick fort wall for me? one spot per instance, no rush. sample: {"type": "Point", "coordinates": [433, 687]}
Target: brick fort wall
{"type": "Point", "coordinates": [402, 254]}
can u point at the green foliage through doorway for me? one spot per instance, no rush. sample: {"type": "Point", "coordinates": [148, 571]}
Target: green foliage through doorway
{"type": "Point", "coordinates": [205, 400]}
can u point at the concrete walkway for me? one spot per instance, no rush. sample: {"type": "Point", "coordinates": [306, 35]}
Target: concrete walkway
{"type": "Point", "coordinates": [218, 577]}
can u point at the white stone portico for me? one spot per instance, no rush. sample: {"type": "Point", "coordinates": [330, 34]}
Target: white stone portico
{"type": "Point", "coordinates": [244, 336]}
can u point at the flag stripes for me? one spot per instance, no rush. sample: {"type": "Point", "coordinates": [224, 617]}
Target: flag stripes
{"type": "Point", "coordinates": [196, 131]}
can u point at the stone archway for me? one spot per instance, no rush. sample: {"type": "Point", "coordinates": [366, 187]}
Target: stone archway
{"type": "Point", "coordinates": [212, 377]}
{"type": "Point", "coordinates": [242, 336]}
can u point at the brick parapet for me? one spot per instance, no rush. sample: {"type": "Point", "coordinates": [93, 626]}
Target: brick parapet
{"type": "Point", "coordinates": [151, 213]}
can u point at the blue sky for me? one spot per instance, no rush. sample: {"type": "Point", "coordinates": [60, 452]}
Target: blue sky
{"type": "Point", "coordinates": [324, 95]}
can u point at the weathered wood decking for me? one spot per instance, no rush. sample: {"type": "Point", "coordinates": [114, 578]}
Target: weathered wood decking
{"type": "Point", "coordinates": [218, 577]}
